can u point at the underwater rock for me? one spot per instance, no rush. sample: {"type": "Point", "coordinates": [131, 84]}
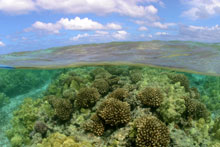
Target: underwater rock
{"type": "Point", "coordinates": [151, 132]}
{"type": "Point", "coordinates": [87, 97]}
{"type": "Point", "coordinates": [151, 97]}
{"type": "Point", "coordinates": [114, 112]}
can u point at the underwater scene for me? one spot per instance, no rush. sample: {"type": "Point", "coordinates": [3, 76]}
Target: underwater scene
{"type": "Point", "coordinates": [108, 106]}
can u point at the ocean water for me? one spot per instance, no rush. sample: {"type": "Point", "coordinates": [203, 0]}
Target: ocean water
{"type": "Point", "coordinates": [108, 106]}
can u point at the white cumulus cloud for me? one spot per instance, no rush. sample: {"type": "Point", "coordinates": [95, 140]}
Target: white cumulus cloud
{"type": "Point", "coordinates": [120, 35]}
{"type": "Point", "coordinates": [155, 24]}
{"type": "Point", "coordinates": [201, 8]}
{"type": "Point", "coordinates": [75, 38]}
{"type": "Point", "coordinates": [1, 44]}
{"type": "Point", "coordinates": [100, 7]}
{"type": "Point", "coordinates": [77, 23]}
{"type": "Point", "coordinates": [17, 6]}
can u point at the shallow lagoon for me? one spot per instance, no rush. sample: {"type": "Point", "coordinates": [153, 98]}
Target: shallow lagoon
{"type": "Point", "coordinates": [108, 105]}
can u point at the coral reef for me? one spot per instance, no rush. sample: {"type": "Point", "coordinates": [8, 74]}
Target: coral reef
{"type": "Point", "coordinates": [87, 97]}
{"type": "Point", "coordinates": [151, 132]}
{"type": "Point", "coordinates": [95, 125]}
{"type": "Point", "coordinates": [119, 106]}
{"type": "Point", "coordinates": [60, 140]}
{"type": "Point", "coordinates": [102, 86]}
{"type": "Point", "coordinates": [40, 127]}
{"type": "Point", "coordinates": [63, 108]}
{"type": "Point", "coordinates": [195, 109]}
{"type": "Point", "coordinates": [151, 97]}
{"type": "Point", "coordinates": [135, 75]}
{"type": "Point", "coordinates": [216, 129]}
{"type": "Point", "coordinates": [184, 81]}
{"type": "Point", "coordinates": [114, 112]}
{"type": "Point", "coordinates": [119, 93]}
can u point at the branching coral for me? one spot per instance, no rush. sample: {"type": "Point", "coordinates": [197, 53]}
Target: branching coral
{"type": "Point", "coordinates": [102, 86]}
{"type": "Point", "coordinates": [135, 76]}
{"type": "Point", "coordinates": [151, 97]}
{"type": "Point", "coordinates": [63, 108]}
{"type": "Point", "coordinates": [195, 109]}
{"type": "Point", "coordinates": [119, 93]}
{"type": "Point", "coordinates": [151, 132]}
{"type": "Point", "coordinates": [87, 97]}
{"type": "Point", "coordinates": [94, 125]}
{"type": "Point", "coordinates": [114, 112]}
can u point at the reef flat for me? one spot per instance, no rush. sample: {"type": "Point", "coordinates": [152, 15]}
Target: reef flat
{"type": "Point", "coordinates": [203, 58]}
{"type": "Point", "coordinates": [120, 106]}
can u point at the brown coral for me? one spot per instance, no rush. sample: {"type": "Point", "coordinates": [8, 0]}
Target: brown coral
{"type": "Point", "coordinates": [135, 76]}
{"type": "Point", "coordinates": [114, 112]}
{"type": "Point", "coordinates": [63, 108]}
{"type": "Point", "coordinates": [184, 81]}
{"type": "Point", "coordinates": [151, 132]}
{"type": "Point", "coordinates": [151, 97]}
{"type": "Point", "coordinates": [102, 86]}
{"type": "Point", "coordinates": [87, 97]}
{"type": "Point", "coordinates": [195, 109]}
{"type": "Point", "coordinates": [119, 93]}
{"type": "Point", "coordinates": [94, 125]}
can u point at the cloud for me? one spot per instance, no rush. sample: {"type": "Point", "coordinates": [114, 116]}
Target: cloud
{"type": "Point", "coordinates": [201, 8]}
{"type": "Point", "coordinates": [142, 28]}
{"type": "Point", "coordinates": [17, 6]}
{"type": "Point", "coordinates": [102, 35]}
{"type": "Point", "coordinates": [77, 23]}
{"type": "Point", "coordinates": [113, 26]}
{"type": "Point", "coordinates": [1, 44]}
{"type": "Point", "coordinates": [128, 8]}
{"type": "Point", "coordinates": [155, 24]}
{"type": "Point", "coordinates": [75, 38]}
{"type": "Point", "coordinates": [161, 33]}
{"type": "Point", "coordinates": [200, 33]}
{"type": "Point", "coordinates": [120, 35]}
{"type": "Point", "coordinates": [132, 8]}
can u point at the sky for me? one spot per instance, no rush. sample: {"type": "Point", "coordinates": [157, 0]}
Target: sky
{"type": "Point", "coordinates": [27, 25]}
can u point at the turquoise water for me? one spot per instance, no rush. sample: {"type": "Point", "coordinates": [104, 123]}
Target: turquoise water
{"type": "Point", "coordinates": [108, 106]}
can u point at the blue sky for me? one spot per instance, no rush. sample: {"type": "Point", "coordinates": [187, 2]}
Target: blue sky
{"type": "Point", "coordinates": [37, 24]}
